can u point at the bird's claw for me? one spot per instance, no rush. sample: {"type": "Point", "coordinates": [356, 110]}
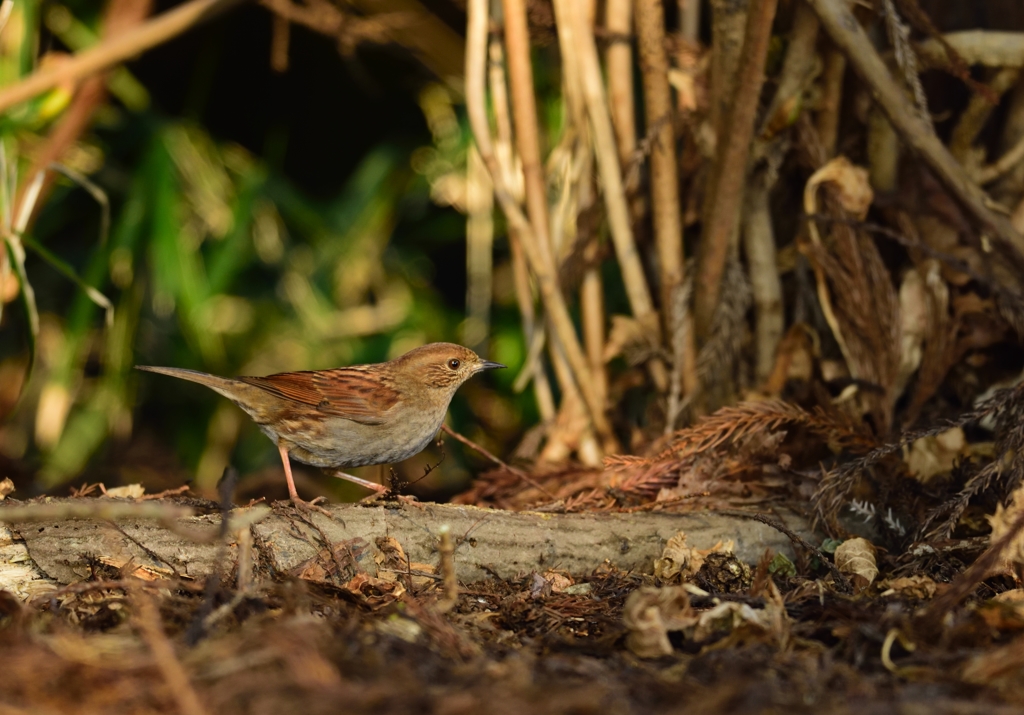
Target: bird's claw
{"type": "Point", "coordinates": [310, 506]}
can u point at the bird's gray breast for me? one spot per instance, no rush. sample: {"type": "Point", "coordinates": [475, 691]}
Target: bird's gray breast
{"type": "Point", "coordinates": [344, 443]}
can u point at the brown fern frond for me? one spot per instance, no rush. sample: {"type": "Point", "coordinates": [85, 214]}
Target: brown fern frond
{"type": "Point", "coordinates": [866, 309]}
{"type": "Point", "coordinates": [835, 487]}
{"type": "Point", "coordinates": [1005, 470]}
{"type": "Point", "coordinates": [749, 418]}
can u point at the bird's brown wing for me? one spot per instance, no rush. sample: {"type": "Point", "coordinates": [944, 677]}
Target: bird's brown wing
{"type": "Point", "coordinates": [344, 392]}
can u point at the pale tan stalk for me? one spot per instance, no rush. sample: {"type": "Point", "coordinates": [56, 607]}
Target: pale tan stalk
{"type": "Point", "coordinates": [524, 116]}
{"type": "Point", "coordinates": [689, 20]}
{"type": "Point", "coordinates": [524, 119]}
{"type": "Point", "coordinates": [976, 114]}
{"type": "Point", "coordinates": [668, 224]}
{"type": "Point", "coordinates": [797, 70]}
{"type": "Point", "coordinates": [619, 59]}
{"type": "Point", "coordinates": [759, 244]}
{"type": "Point", "coordinates": [505, 157]}
{"type": "Point", "coordinates": [827, 121]}
{"type": "Point", "coordinates": [479, 252]}
{"type": "Point", "coordinates": [540, 264]}
{"type": "Point", "coordinates": [582, 37]}
{"type": "Point", "coordinates": [592, 310]}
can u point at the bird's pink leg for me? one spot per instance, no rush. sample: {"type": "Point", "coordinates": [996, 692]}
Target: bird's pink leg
{"type": "Point", "coordinates": [293, 493]}
{"type": "Point", "coordinates": [337, 474]}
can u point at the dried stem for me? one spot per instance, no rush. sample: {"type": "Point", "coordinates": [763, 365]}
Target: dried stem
{"type": "Point", "coordinates": [619, 60]}
{"type": "Point", "coordinates": [732, 152]}
{"type": "Point", "coordinates": [850, 37]}
{"type": "Point", "coordinates": [977, 113]}
{"type": "Point", "coordinates": [797, 70]}
{"type": "Point", "coordinates": [1004, 164]}
{"type": "Point", "coordinates": [118, 49]}
{"type": "Point", "coordinates": [827, 121]}
{"type": "Point", "coordinates": [593, 316]}
{"type": "Point", "coordinates": [608, 165]}
{"type": "Point", "coordinates": [668, 225]}
{"type": "Point", "coordinates": [759, 243]}
{"type": "Point", "coordinates": [524, 118]}
{"type": "Point", "coordinates": [521, 276]}
{"type": "Point", "coordinates": [542, 266]}
{"type": "Point", "coordinates": [689, 22]}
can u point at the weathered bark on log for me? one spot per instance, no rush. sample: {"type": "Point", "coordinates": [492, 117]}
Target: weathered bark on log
{"type": "Point", "coordinates": [488, 542]}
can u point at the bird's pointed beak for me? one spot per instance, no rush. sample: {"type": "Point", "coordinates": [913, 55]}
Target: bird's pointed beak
{"type": "Point", "coordinates": [488, 365]}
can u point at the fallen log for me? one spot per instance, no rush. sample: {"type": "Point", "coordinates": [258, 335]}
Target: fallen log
{"type": "Point", "coordinates": [488, 543]}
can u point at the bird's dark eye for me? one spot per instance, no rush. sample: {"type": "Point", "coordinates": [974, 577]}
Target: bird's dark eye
{"type": "Point", "coordinates": [454, 363]}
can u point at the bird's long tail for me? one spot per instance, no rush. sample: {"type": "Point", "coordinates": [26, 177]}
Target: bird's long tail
{"type": "Point", "coordinates": [234, 390]}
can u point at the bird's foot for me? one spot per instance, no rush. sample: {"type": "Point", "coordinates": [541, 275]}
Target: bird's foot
{"type": "Point", "coordinates": [309, 506]}
{"type": "Point", "coordinates": [388, 495]}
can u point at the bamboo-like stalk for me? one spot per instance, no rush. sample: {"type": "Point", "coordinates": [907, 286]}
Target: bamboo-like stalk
{"type": "Point", "coordinates": [581, 36]}
{"type": "Point", "coordinates": [520, 272]}
{"type": "Point", "coordinates": [689, 20]}
{"type": "Point", "coordinates": [759, 244]}
{"type": "Point", "coordinates": [479, 251]}
{"type": "Point", "coordinates": [592, 313]}
{"type": "Point", "coordinates": [977, 112]}
{"type": "Point", "coordinates": [524, 119]}
{"type": "Point", "coordinates": [827, 121]}
{"type": "Point", "coordinates": [668, 224]}
{"type": "Point", "coordinates": [619, 61]}
{"type": "Point", "coordinates": [547, 279]}
{"type": "Point", "coordinates": [524, 116]}
{"type": "Point", "coordinates": [797, 70]}
{"type": "Point", "coordinates": [842, 26]}
{"type": "Point", "coordinates": [729, 179]}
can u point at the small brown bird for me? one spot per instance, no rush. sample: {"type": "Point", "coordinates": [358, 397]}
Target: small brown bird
{"type": "Point", "coordinates": [350, 416]}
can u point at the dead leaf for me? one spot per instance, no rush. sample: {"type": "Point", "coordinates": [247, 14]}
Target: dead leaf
{"type": "Point", "coordinates": [852, 188]}
{"type": "Point", "coordinates": [128, 491]}
{"type": "Point", "coordinates": [729, 616]}
{"type": "Point", "coordinates": [679, 562]}
{"type": "Point", "coordinates": [6, 487]}
{"type": "Point", "coordinates": [915, 309]}
{"type": "Point", "coordinates": [919, 587]}
{"type": "Point", "coordinates": [374, 592]}
{"type": "Point", "coordinates": [856, 557]}
{"type": "Point", "coordinates": [934, 455]}
{"type": "Point", "coordinates": [1002, 521]}
{"type": "Point", "coordinates": [650, 613]}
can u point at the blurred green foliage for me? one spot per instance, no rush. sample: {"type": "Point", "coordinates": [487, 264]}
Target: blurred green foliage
{"type": "Point", "coordinates": [217, 261]}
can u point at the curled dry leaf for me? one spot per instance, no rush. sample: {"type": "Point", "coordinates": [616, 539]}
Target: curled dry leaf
{"type": "Point", "coordinates": [935, 454]}
{"type": "Point", "coordinates": [917, 587]}
{"type": "Point", "coordinates": [851, 184]}
{"type": "Point", "coordinates": [856, 558]}
{"type": "Point", "coordinates": [915, 309]}
{"type": "Point", "coordinates": [728, 617]}
{"type": "Point", "coordinates": [559, 580]}
{"type": "Point", "coordinates": [680, 562]}
{"type": "Point", "coordinates": [1005, 611]}
{"type": "Point", "coordinates": [393, 564]}
{"type": "Point", "coordinates": [128, 491]}
{"type": "Point", "coordinates": [650, 613]}
{"type": "Point", "coordinates": [376, 593]}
